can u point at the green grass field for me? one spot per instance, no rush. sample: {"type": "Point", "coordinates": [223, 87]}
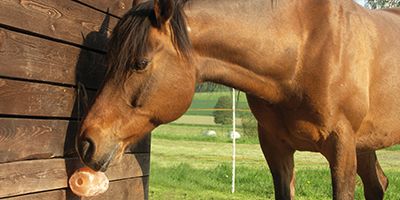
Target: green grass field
{"type": "Point", "coordinates": [187, 132]}
{"type": "Point", "coordinates": [207, 100]}
{"type": "Point", "coordinates": [185, 164]}
{"type": "Point", "coordinates": [182, 169]}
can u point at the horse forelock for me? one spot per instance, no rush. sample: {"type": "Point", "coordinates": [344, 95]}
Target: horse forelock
{"type": "Point", "coordinates": [129, 39]}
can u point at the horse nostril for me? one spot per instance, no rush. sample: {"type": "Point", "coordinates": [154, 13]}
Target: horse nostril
{"type": "Point", "coordinates": [87, 148]}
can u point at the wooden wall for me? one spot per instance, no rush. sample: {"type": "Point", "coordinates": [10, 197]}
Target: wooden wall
{"type": "Point", "coordinates": [46, 48]}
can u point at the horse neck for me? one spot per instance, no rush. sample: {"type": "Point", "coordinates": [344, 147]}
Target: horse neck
{"type": "Point", "coordinates": [248, 45]}
{"type": "Point", "coordinates": [257, 46]}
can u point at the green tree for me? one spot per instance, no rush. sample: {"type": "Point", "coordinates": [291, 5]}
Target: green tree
{"type": "Point", "coordinates": [377, 4]}
{"type": "Point", "coordinates": [223, 116]}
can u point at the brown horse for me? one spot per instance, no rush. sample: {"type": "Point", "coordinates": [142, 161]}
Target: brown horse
{"type": "Point", "coordinates": [320, 75]}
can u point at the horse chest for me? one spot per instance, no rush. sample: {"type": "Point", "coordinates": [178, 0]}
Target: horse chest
{"type": "Point", "coordinates": [300, 134]}
{"type": "Point", "coordinates": [302, 129]}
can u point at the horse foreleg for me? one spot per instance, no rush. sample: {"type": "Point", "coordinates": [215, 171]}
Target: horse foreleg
{"type": "Point", "coordinates": [340, 151]}
{"type": "Point", "coordinates": [280, 161]}
{"type": "Point", "coordinates": [374, 180]}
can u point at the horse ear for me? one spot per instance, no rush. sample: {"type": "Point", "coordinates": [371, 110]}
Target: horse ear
{"type": "Point", "coordinates": [163, 10]}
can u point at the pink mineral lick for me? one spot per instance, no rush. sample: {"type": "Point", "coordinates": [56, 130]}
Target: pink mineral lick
{"type": "Point", "coordinates": [86, 182]}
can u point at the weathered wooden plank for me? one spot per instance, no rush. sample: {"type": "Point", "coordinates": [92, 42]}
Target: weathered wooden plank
{"type": "Point", "coordinates": [61, 19]}
{"type": "Point", "coordinates": [24, 177]}
{"type": "Point", "coordinates": [115, 7]}
{"type": "Point", "coordinates": [131, 165]}
{"type": "Point", "coordinates": [34, 58]}
{"type": "Point", "coordinates": [22, 139]}
{"type": "Point", "coordinates": [39, 99]}
{"type": "Point", "coordinates": [134, 188]}
{"type": "Point", "coordinates": [51, 195]}
{"type": "Point", "coordinates": [35, 99]}
{"type": "Point", "coordinates": [143, 146]}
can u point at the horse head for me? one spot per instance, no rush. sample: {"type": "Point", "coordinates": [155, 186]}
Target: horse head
{"type": "Point", "coordinates": [149, 82]}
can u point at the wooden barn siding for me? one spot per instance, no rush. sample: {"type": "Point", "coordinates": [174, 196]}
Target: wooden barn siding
{"type": "Point", "coordinates": [33, 58]}
{"type": "Point", "coordinates": [134, 188]}
{"type": "Point", "coordinates": [22, 139]}
{"type": "Point", "coordinates": [46, 47]}
{"type": "Point", "coordinates": [24, 177]}
{"type": "Point", "coordinates": [125, 189]}
{"type": "Point", "coordinates": [117, 8]}
{"type": "Point", "coordinates": [64, 20]}
{"type": "Point", "coordinates": [39, 99]}
{"type": "Point", "coordinates": [36, 99]}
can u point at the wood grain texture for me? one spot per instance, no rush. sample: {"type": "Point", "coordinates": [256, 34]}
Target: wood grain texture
{"type": "Point", "coordinates": [134, 188]}
{"type": "Point", "coordinates": [51, 195]}
{"type": "Point", "coordinates": [35, 99]}
{"type": "Point", "coordinates": [61, 19]}
{"type": "Point", "coordinates": [24, 177]}
{"type": "Point", "coordinates": [41, 59]}
{"type": "Point", "coordinates": [143, 146]}
{"type": "Point", "coordinates": [22, 139]}
{"type": "Point", "coordinates": [115, 7]}
{"type": "Point", "coordinates": [34, 58]}
{"type": "Point", "coordinates": [40, 99]}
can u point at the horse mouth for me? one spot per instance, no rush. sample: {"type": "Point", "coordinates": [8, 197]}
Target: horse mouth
{"type": "Point", "coordinates": [101, 164]}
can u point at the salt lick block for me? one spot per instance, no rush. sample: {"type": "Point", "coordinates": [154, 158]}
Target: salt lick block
{"type": "Point", "coordinates": [86, 182]}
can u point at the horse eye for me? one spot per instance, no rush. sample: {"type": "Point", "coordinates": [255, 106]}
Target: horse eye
{"type": "Point", "coordinates": [140, 64]}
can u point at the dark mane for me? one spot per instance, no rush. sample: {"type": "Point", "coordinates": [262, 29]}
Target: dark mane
{"type": "Point", "coordinates": [129, 39]}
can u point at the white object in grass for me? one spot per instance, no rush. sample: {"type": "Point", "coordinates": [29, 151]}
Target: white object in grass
{"type": "Point", "coordinates": [233, 134]}
{"type": "Point", "coordinates": [210, 133]}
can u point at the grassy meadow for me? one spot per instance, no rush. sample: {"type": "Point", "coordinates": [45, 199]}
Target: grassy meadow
{"type": "Point", "coordinates": [185, 164]}
{"type": "Point", "coordinates": [184, 169]}
{"type": "Point", "coordinates": [207, 100]}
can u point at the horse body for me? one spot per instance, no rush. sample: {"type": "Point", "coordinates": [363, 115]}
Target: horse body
{"type": "Point", "coordinates": [380, 128]}
{"type": "Point", "coordinates": [324, 73]}
{"type": "Point", "coordinates": [319, 76]}
{"type": "Point", "coordinates": [334, 94]}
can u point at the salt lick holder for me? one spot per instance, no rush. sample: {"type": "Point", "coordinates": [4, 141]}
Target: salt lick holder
{"type": "Point", "coordinates": [86, 182]}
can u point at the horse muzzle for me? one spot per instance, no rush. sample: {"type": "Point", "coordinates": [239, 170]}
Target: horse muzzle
{"type": "Point", "coordinates": [91, 156]}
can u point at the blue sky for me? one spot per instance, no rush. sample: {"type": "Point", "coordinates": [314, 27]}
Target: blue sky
{"type": "Point", "coordinates": [361, 2]}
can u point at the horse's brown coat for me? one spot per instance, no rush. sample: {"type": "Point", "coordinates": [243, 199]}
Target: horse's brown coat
{"type": "Point", "coordinates": [319, 75]}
